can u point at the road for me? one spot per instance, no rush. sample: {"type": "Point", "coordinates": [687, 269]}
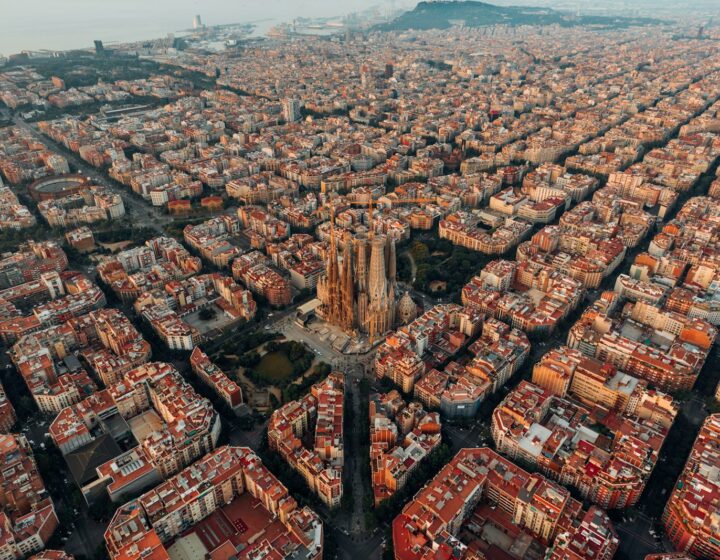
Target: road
{"type": "Point", "coordinates": [213, 347]}
{"type": "Point", "coordinates": [353, 542]}
{"type": "Point", "coordinates": [365, 547]}
{"type": "Point", "coordinates": [143, 213]}
{"type": "Point", "coordinates": [358, 365]}
{"type": "Point", "coordinates": [475, 435]}
{"type": "Point", "coordinates": [636, 541]}
{"type": "Point", "coordinates": [244, 438]}
{"type": "Point", "coordinates": [354, 457]}
{"type": "Point", "coordinates": [348, 531]}
{"type": "Point", "coordinates": [87, 536]}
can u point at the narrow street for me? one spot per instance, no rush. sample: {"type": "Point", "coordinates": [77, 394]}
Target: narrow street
{"type": "Point", "coordinates": [355, 523]}
{"type": "Point", "coordinates": [413, 265]}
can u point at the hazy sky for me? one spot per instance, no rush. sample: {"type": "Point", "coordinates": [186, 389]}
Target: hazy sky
{"type": "Point", "coordinates": [65, 24]}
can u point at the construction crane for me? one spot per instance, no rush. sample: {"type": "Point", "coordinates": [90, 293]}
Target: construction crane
{"type": "Point", "coordinates": [372, 203]}
{"type": "Point", "coordinates": [371, 229]}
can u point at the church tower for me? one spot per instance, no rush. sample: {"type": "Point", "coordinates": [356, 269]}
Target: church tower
{"type": "Point", "coordinates": [348, 285]}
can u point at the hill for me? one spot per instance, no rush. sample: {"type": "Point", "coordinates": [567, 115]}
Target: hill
{"type": "Point", "coordinates": [441, 15]}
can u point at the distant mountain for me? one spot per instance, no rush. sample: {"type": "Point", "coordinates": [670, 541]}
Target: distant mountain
{"type": "Point", "coordinates": [444, 14]}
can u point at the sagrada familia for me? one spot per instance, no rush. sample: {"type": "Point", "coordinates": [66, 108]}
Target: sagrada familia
{"type": "Point", "coordinates": [358, 291]}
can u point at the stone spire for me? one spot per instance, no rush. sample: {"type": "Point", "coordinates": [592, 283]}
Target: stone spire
{"type": "Point", "coordinates": [392, 261]}
{"type": "Point", "coordinates": [377, 281]}
{"type": "Point", "coordinates": [361, 269]}
{"type": "Point", "coordinates": [333, 280]}
{"type": "Point", "coordinates": [348, 284]}
{"type": "Point", "coordinates": [361, 274]}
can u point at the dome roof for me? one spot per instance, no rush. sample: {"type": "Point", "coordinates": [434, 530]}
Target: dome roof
{"type": "Point", "coordinates": [406, 309]}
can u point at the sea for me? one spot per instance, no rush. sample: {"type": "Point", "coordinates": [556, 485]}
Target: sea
{"type": "Point", "coordinates": [73, 24]}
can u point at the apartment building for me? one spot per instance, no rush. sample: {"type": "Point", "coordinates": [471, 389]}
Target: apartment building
{"type": "Point", "coordinates": [401, 437]}
{"type": "Point", "coordinates": [692, 514]}
{"type": "Point", "coordinates": [608, 466]}
{"type": "Point", "coordinates": [480, 480]}
{"type": "Point", "coordinates": [320, 412]}
{"type": "Point", "coordinates": [218, 496]}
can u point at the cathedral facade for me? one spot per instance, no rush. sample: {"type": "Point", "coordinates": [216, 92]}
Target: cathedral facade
{"type": "Point", "coordinates": [358, 288]}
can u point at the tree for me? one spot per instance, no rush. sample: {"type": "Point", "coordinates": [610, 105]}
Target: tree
{"type": "Point", "coordinates": [438, 458]}
{"type": "Point", "coordinates": [404, 270]}
{"type": "Point", "coordinates": [421, 274]}
{"type": "Point", "coordinates": [420, 252]}
{"type": "Point", "coordinates": [207, 314]}
{"type": "Point", "coordinates": [713, 405]}
{"type": "Point", "coordinates": [348, 501]}
{"type": "Point", "coordinates": [274, 403]}
{"type": "Point", "coordinates": [25, 407]}
{"type": "Point", "coordinates": [249, 359]}
{"type": "Point", "coordinates": [102, 509]}
{"type": "Point", "coordinates": [246, 423]}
